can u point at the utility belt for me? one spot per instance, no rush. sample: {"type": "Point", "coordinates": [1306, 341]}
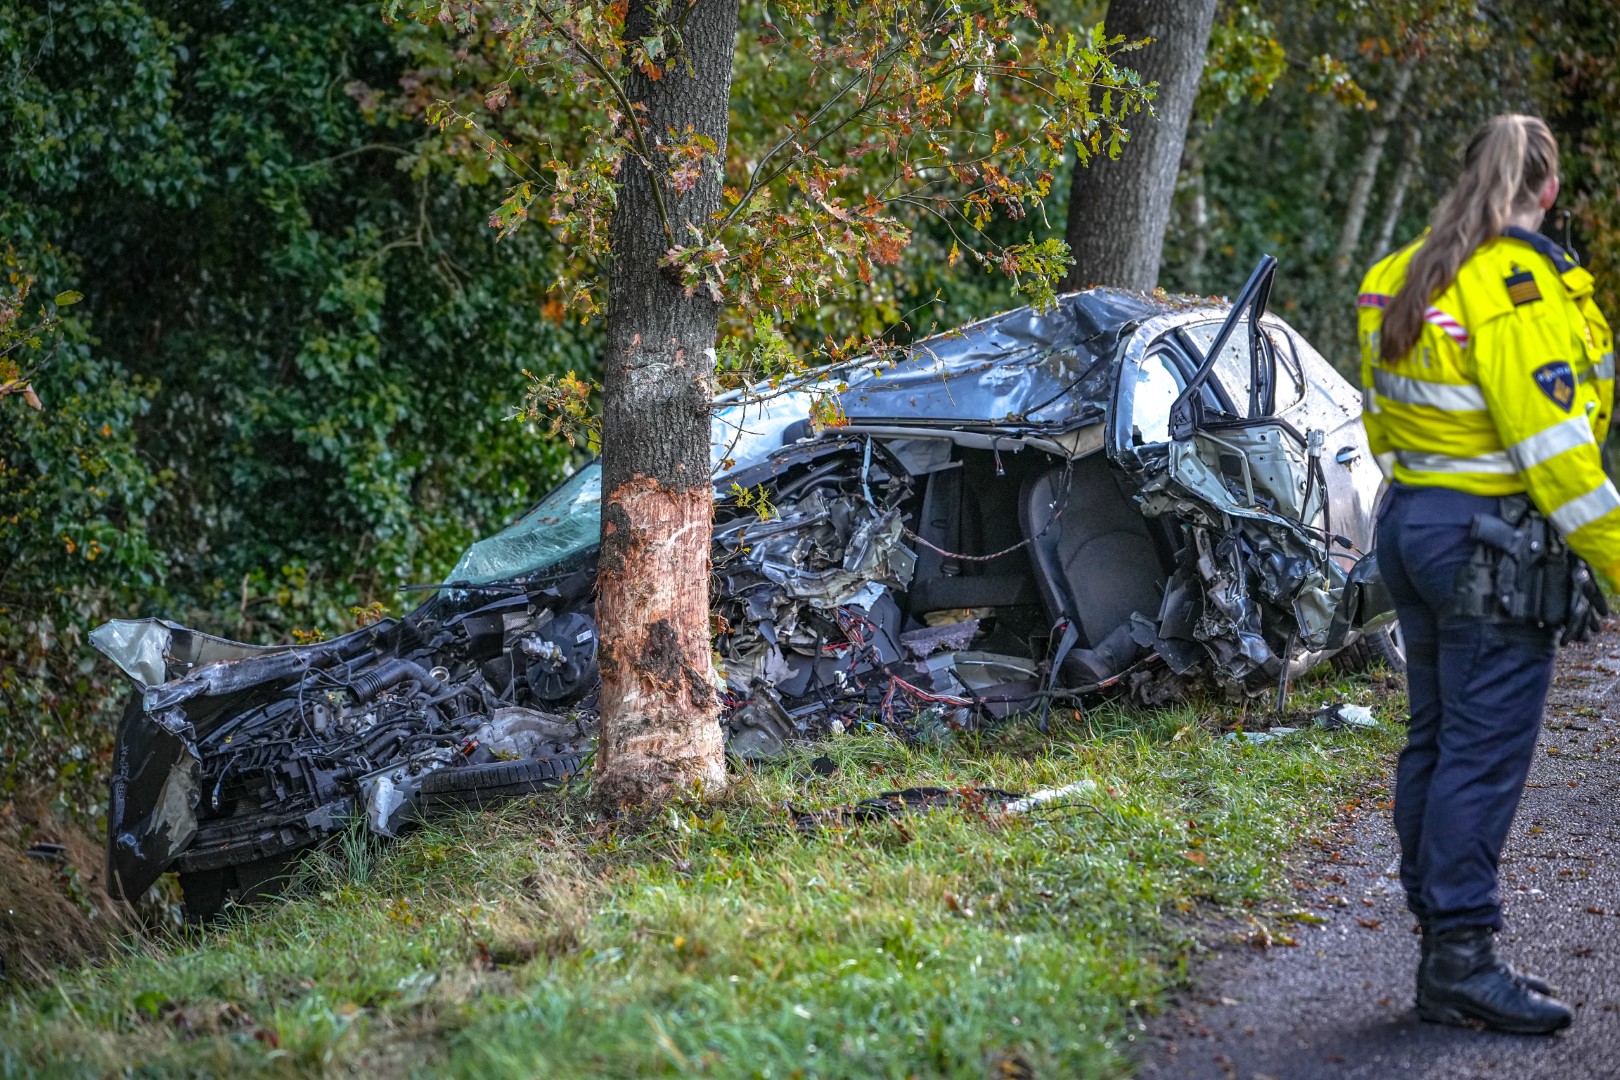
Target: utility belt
{"type": "Point", "coordinates": [1522, 572]}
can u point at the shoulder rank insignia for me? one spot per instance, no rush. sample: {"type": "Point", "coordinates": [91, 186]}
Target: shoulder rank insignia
{"type": "Point", "coordinates": [1522, 288]}
{"type": "Point", "coordinates": [1557, 381]}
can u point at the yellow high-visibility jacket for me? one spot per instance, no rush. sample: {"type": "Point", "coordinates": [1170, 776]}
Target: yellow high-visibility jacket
{"type": "Point", "coordinates": [1509, 389]}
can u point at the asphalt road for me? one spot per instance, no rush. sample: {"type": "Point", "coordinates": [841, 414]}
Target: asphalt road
{"type": "Point", "coordinates": [1338, 1006]}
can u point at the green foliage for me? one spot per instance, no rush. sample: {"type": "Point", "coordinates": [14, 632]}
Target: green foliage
{"type": "Point", "coordinates": [544, 940]}
{"type": "Point", "coordinates": [285, 389]}
{"type": "Point", "coordinates": [1244, 60]}
{"type": "Point", "coordinates": [851, 126]}
{"type": "Point", "coordinates": [563, 405]}
{"type": "Point", "coordinates": [1299, 88]}
{"type": "Point", "coordinates": [756, 500]}
{"type": "Point", "coordinates": [1579, 59]}
{"type": "Point", "coordinates": [74, 498]}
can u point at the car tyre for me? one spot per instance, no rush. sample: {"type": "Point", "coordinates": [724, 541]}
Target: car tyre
{"type": "Point", "coordinates": [483, 785]}
{"type": "Point", "coordinates": [1384, 646]}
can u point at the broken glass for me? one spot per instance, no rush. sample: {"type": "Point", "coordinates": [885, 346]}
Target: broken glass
{"type": "Point", "coordinates": [565, 523]}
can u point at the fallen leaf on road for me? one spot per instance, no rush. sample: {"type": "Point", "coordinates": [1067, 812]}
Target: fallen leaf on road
{"type": "Point", "coordinates": [1371, 924]}
{"type": "Point", "coordinates": [1595, 911]}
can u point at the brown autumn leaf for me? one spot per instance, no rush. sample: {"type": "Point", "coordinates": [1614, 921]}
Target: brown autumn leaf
{"type": "Point", "coordinates": [1370, 924]}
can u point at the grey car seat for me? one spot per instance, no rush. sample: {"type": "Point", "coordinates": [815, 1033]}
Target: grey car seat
{"type": "Point", "coordinates": [1096, 562]}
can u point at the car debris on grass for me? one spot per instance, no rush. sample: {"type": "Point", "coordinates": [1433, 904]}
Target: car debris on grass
{"type": "Point", "coordinates": [1128, 494]}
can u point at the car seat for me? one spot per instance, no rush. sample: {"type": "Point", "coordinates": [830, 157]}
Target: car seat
{"type": "Point", "coordinates": [1096, 563]}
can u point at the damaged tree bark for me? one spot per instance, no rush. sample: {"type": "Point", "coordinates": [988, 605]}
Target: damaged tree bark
{"type": "Point", "coordinates": [659, 709]}
{"type": "Point", "coordinates": [1119, 208]}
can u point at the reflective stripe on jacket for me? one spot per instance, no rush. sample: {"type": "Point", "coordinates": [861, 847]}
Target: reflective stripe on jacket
{"type": "Point", "coordinates": [1510, 387]}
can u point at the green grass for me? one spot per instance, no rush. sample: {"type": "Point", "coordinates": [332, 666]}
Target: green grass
{"type": "Point", "coordinates": [543, 940]}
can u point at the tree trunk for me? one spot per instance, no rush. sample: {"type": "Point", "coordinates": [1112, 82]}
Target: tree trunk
{"type": "Point", "coordinates": [660, 732]}
{"type": "Point", "coordinates": [1397, 194]}
{"type": "Point", "coordinates": [1119, 208]}
{"type": "Point", "coordinates": [1372, 154]}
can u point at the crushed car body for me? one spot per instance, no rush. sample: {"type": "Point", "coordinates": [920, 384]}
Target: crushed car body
{"type": "Point", "coordinates": [1126, 493]}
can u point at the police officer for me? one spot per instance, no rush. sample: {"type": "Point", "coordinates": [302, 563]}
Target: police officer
{"type": "Point", "coordinates": [1488, 377]}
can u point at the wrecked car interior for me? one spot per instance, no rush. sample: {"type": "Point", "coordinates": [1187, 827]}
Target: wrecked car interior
{"type": "Point", "coordinates": [1126, 494]}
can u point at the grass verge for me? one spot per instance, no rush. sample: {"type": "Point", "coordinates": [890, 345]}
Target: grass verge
{"type": "Point", "coordinates": [717, 940]}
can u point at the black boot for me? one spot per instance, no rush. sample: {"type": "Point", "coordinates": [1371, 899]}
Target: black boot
{"type": "Point", "coordinates": [1524, 979]}
{"type": "Point", "coordinates": [1461, 979]}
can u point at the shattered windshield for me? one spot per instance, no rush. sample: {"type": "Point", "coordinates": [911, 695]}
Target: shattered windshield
{"type": "Point", "coordinates": [568, 521]}
{"type": "Point", "coordinates": [565, 523]}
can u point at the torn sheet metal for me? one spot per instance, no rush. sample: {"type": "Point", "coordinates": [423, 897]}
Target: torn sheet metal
{"type": "Point", "coordinates": [999, 527]}
{"type": "Point", "coordinates": [153, 651]}
{"type": "Point", "coordinates": [1021, 370]}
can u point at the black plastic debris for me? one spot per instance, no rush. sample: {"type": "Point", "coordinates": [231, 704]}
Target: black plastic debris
{"type": "Point", "coordinates": [972, 800]}
{"type": "Point", "coordinates": [46, 851]}
{"type": "Point", "coordinates": [1121, 495]}
{"type": "Point", "coordinates": [907, 801]}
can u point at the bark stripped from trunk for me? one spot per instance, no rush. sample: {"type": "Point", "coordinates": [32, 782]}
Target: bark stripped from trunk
{"type": "Point", "coordinates": [1119, 208]}
{"type": "Point", "coordinates": [660, 732]}
{"type": "Point", "coordinates": [1371, 156]}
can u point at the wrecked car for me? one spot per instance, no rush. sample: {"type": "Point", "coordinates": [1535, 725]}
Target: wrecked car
{"type": "Point", "coordinates": [1125, 494]}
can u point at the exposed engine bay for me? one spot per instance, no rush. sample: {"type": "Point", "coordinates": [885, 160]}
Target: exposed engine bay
{"type": "Point", "coordinates": [829, 616]}
{"type": "Point", "coordinates": [1076, 504]}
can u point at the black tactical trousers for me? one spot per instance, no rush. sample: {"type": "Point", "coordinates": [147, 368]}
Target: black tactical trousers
{"type": "Point", "coordinates": [1477, 688]}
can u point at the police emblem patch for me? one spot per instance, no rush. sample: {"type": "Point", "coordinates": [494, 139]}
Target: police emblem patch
{"type": "Point", "coordinates": [1557, 381]}
{"type": "Point", "coordinates": [1522, 288]}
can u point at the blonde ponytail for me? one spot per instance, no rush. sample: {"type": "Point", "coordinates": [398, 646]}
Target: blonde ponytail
{"type": "Point", "coordinates": [1508, 160]}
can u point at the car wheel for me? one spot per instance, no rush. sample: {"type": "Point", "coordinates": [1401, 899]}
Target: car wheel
{"type": "Point", "coordinates": [1384, 646]}
{"type": "Point", "coordinates": [484, 785]}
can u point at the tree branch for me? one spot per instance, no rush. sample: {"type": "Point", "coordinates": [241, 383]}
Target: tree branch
{"type": "Point", "coordinates": [629, 115]}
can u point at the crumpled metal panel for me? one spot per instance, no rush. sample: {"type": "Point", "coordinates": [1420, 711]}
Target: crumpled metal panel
{"type": "Point", "coordinates": [1043, 372]}
{"type": "Point", "coordinates": [1248, 558]}
{"type": "Point", "coordinates": [151, 813]}
{"type": "Point", "coordinates": [831, 542]}
{"type": "Point", "coordinates": [147, 650]}
{"type": "Point", "coordinates": [137, 646]}
{"type": "Point", "coordinates": [1025, 369]}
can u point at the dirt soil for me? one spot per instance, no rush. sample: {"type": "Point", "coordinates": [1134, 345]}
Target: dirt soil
{"type": "Point", "coordinates": [54, 907]}
{"type": "Point", "coordinates": [1338, 1005]}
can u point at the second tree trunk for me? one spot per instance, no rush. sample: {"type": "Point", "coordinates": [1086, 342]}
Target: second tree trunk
{"type": "Point", "coordinates": [1119, 208]}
